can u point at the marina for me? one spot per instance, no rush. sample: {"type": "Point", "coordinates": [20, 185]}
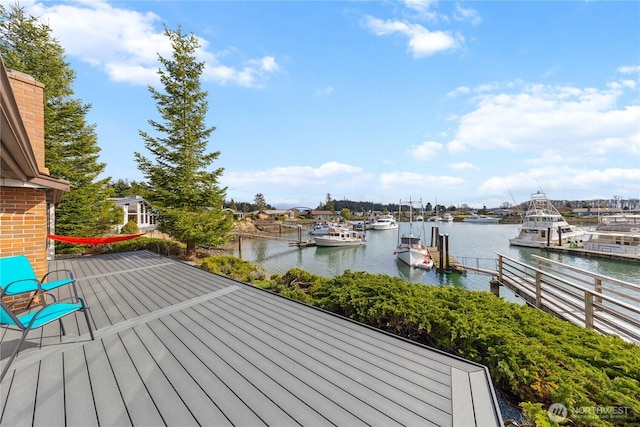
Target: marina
{"type": "Point", "coordinates": [468, 244]}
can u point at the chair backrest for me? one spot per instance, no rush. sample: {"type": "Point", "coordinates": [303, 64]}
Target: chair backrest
{"type": "Point", "coordinates": [15, 268]}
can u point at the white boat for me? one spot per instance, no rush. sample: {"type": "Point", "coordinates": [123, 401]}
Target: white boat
{"type": "Point", "coordinates": [411, 248]}
{"type": "Point", "coordinates": [340, 236]}
{"type": "Point", "coordinates": [322, 228]}
{"type": "Point", "coordinates": [385, 222]}
{"type": "Point", "coordinates": [481, 219]}
{"type": "Point", "coordinates": [615, 234]}
{"type": "Point", "coordinates": [444, 218]}
{"type": "Point", "coordinates": [544, 226]}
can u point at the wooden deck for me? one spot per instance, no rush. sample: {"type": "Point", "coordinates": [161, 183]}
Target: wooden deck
{"type": "Point", "coordinates": [176, 345]}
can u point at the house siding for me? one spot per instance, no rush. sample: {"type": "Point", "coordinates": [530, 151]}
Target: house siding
{"type": "Point", "coordinates": [29, 95]}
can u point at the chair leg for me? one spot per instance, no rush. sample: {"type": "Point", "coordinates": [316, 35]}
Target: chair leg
{"type": "Point", "coordinates": [13, 355]}
{"type": "Point", "coordinates": [62, 327]}
{"type": "Point", "coordinates": [86, 316]}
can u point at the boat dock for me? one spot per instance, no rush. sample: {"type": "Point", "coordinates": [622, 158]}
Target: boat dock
{"type": "Point", "coordinates": [604, 304]}
{"type": "Point", "coordinates": [443, 261]}
{"type": "Point", "coordinates": [593, 254]}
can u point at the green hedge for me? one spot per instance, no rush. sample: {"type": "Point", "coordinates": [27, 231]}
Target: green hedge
{"type": "Point", "coordinates": [161, 246]}
{"type": "Point", "coordinates": [533, 357]}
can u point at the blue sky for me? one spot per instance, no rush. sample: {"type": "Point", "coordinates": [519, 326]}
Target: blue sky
{"type": "Point", "coordinates": [476, 103]}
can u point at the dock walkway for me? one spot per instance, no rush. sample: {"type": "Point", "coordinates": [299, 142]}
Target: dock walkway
{"type": "Point", "coordinates": [604, 304]}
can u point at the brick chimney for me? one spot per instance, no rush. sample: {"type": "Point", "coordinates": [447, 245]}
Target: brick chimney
{"type": "Point", "coordinates": [29, 95]}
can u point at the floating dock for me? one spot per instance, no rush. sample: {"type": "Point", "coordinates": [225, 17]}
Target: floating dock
{"type": "Point", "coordinates": [448, 264]}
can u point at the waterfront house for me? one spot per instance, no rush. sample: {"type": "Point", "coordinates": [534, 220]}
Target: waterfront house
{"type": "Point", "coordinates": [321, 215]}
{"type": "Point", "coordinates": [275, 214]}
{"type": "Point", "coordinates": [138, 210]}
{"type": "Point", "coordinates": [28, 194]}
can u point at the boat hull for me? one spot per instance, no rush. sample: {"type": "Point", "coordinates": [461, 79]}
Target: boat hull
{"type": "Point", "coordinates": [327, 241]}
{"type": "Point", "coordinates": [415, 257]}
{"type": "Point", "coordinates": [339, 237]}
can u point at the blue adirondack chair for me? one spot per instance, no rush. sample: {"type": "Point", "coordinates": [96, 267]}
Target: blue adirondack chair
{"type": "Point", "coordinates": [17, 277]}
{"type": "Point", "coordinates": [38, 318]}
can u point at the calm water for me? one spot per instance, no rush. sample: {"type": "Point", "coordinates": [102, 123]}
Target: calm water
{"type": "Point", "coordinates": [475, 244]}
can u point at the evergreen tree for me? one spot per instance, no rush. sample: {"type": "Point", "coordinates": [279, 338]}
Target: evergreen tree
{"type": "Point", "coordinates": [259, 202]}
{"type": "Point", "coordinates": [71, 149]}
{"type": "Point", "coordinates": [186, 194]}
{"type": "Point", "coordinates": [329, 204]}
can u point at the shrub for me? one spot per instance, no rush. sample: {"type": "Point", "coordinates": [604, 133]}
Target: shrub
{"type": "Point", "coordinates": [130, 228]}
{"type": "Point", "coordinates": [161, 246]}
{"type": "Point", "coordinates": [233, 267]}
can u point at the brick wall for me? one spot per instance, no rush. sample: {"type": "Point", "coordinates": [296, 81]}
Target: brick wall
{"type": "Point", "coordinates": [23, 225]}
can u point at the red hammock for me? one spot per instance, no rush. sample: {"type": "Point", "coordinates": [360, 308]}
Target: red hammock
{"type": "Point", "coordinates": [92, 240]}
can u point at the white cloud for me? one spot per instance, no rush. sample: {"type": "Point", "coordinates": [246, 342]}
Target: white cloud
{"type": "Point", "coordinates": [631, 69]}
{"type": "Point", "coordinates": [422, 8]}
{"type": "Point", "coordinates": [463, 166]}
{"type": "Point", "coordinates": [324, 91]}
{"type": "Point", "coordinates": [557, 179]}
{"type": "Point", "coordinates": [556, 120]}
{"type": "Point", "coordinates": [417, 181]}
{"type": "Point", "coordinates": [470, 15]}
{"type": "Point", "coordinates": [421, 41]}
{"type": "Point", "coordinates": [426, 151]}
{"type": "Point", "coordinates": [293, 176]}
{"type": "Point", "coordinates": [125, 44]}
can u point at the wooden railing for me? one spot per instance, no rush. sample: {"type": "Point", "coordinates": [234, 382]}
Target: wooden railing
{"type": "Point", "coordinates": [597, 302]}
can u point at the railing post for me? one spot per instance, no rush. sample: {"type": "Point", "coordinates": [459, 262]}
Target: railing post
{"type": "Point", "coordinates": [588, 310]}
{"type": "Point", "coordinates": [538, 289]}
{"type": "Point", "coordinates": [500, 267]}
{"type": "Point", "coordinates": [598, 288]}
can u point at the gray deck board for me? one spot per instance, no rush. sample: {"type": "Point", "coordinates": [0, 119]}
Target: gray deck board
{"type": "Point", "coordinates": [261, 366]}
{"type": "Point", "coordinates": [140, 406]}
{"type": "Point", "coordinates": [176, 345]}
{"type": "Point", "coordinates": [50, 399]}
{"type": "Point", "coordinates": [343, 366]}
{"type": "Point", "coordinates": [171, 407]}
{"type": "Point", "coordinates": [77, 389]}
{"type": "Point", "coordinates": [158, 341]}
{"type": "Point", "coordinates": [110, 408]}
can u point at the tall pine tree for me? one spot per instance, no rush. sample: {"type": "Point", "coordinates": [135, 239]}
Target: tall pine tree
{"type": "Point", "coordinates": [187, 195]}
{"type": "Point", "coordinates": [71, 149]}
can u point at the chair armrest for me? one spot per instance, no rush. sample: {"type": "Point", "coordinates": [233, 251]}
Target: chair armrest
{"type": "Point", "coordinates": [69, 277]}
{"type": "Point", "coordinates": [69, 274]}
{"type": "Point", "coordinates": [36, 288]}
